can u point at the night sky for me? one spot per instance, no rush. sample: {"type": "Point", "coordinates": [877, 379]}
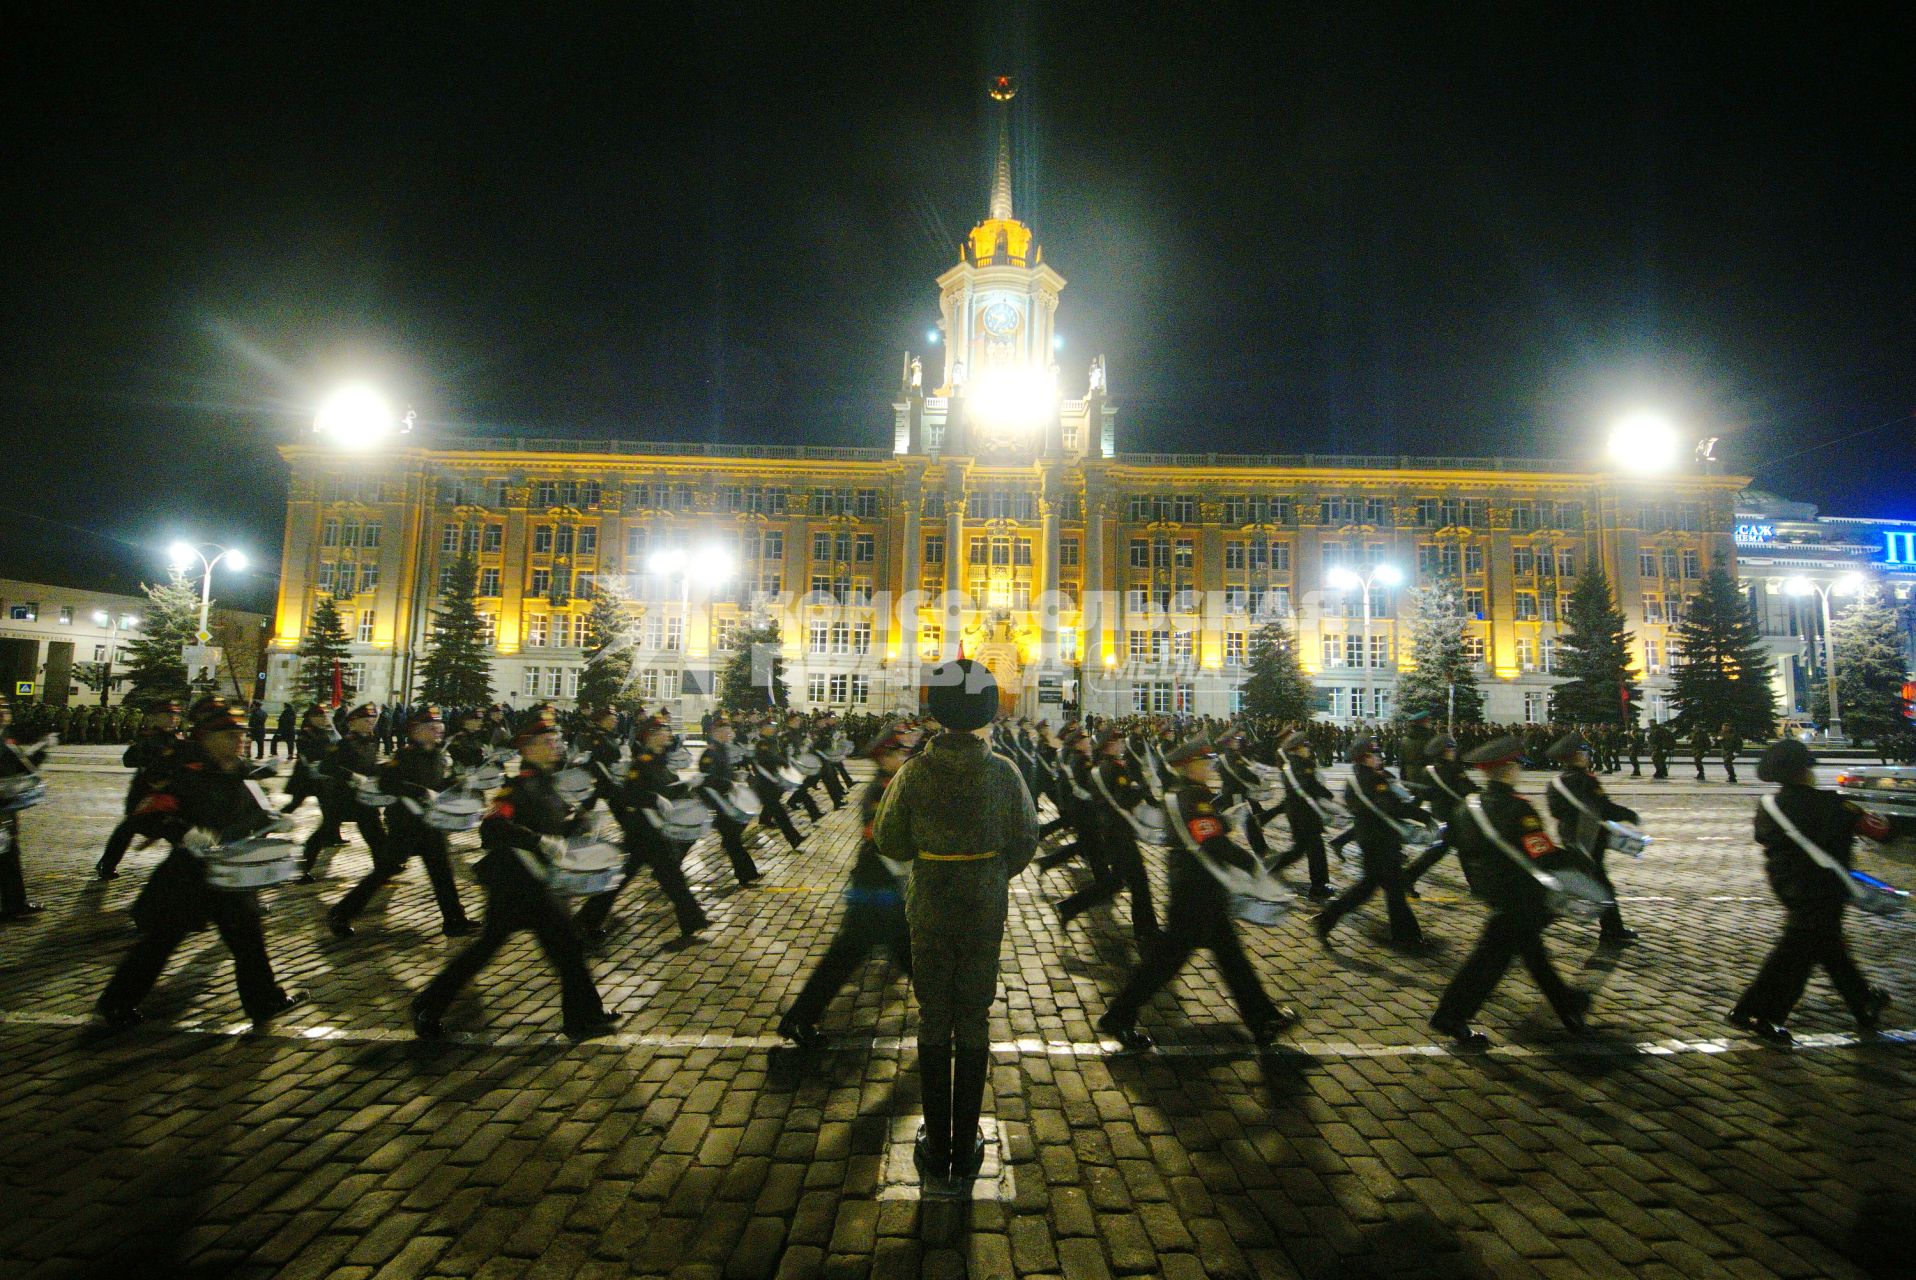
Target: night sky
{"type": "Point", "coordinates": [1416, 229]}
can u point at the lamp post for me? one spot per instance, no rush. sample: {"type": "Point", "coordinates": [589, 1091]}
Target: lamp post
{"type": "Point", "coordinates": [183, 554]}
{"type": "Point", "coordinates": [1343, 579]}
{"type": "Point", "coordinates": [1847, 585]}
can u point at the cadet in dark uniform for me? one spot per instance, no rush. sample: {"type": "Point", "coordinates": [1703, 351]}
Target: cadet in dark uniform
{"type": "Point", "coordinates": [527, 815]}
{"type": "Point", "coordinates": [1237, 784]}
{"type": "Point", "coordinates": [1662, 744]}
{"type": "Point", "coordinates": [1377, 803]}
{"type": "Point", "coordinates": [1200, 911]}
{"type": "Point", "coordinates": [208, 800]}
{"type": "Point", "coordinates": [470, 747]}
{"type": "Point", "coordinates": [647, 780]}
{"type": "Point", "coordinates": [1813, 894]}
{"type": "Point", "coordinates": [1519, 902]}
{"type": "Point", "coordinates": [20, 765]}
{"type": "Point", "coordinates": [962, 818]}
{"type": "Point", "coordinates": [719, 763]}
{"type": "Point", "coordinates": [314, 743]}
{"type": "Point", "coordinates": [874, 903]}
{"type": "Point", "coordinates": [794, 742]}
{"type": "Point", "coordinates": [1446, 785]}
{"type": "Point", "coordinates": [418, 771]}
{"type": "Point", "coordinates": [1304, 793]}
{"type": "Point", "coordinates": [824, 731]}
{"type": "Point", "coordinates": [1580, 807]}
{"type": "Point", "coordinates": [1699, 750]}
{"type": "Point", "coordinates": [1633, 737]}
{"type": "Point", "coordinates": [1118, 789]}
{"type": "Point", "coordinates": [768, 757]}
{"type": "Point", "coordinates": [150, 755]}
{"type": "Point", "coordinates": [354, 756]}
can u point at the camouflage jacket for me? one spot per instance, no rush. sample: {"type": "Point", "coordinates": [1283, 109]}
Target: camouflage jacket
{"type": "Point", "coordinates": [957, 796]}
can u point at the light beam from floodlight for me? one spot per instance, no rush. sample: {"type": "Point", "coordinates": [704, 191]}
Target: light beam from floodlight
{"type": "Point", "coordinates": [1020, 399]}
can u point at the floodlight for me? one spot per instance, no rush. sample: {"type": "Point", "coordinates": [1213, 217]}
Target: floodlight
{"type": "Point", "coordinates": [711, 565]}
{"type": "Point", "coordinates": [671, 560]}
{"type": "Point", "coordinates": [182, 555]}
{"type": "Point", "coordinates": [1643, 440]}
{"type": "Point", "coordinates": [1011, 398]}
{"type": "Point", "coordinates": [1343, 579]}
{"type": "Point", "coordinates": [1387, 575]}
{"type": "Point", "coordinates": [236, 560]}
{"type": "Point", "coordinates": [356, 416]}
{"type": "Point", "coordinates": [1847, 585]}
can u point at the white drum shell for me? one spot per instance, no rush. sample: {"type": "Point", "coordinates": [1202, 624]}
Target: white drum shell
{"type": "Point", "coordinates": [808, 763]}
{"type": "Point", "coordinates": [251, 864]}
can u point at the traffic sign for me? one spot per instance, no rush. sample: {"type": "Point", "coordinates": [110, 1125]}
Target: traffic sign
{"type": "Point", "coordinates": [204, 637]}
{"type": "Point", "coordinates": [23, 688]}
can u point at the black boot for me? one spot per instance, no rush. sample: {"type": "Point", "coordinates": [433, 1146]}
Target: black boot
{"type": "Point", "coordinates": [967, 1100]}
{"type": "Point", "coordinates": [932, 1152]}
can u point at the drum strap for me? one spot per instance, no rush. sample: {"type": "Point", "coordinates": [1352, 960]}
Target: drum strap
{"type": "Point", "coordinates": [1395, 824]}
{"type": "Point", "coordinates": [1297, 789]}
{"type": "Point", "coordinates": [1816, 851]}
{"type": "Point", "coordinates": [1482, 819]}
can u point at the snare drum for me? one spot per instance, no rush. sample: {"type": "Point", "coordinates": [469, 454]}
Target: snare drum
{"type": "Point", "coordinates": [575, 785]}
{"type": "Point", "coordinates": [366, 791]}
{"type": "Point", "coordinates": [1877, 897]}
{"type": "Point", "coordinates": [1255, 910]}
{"type": "Point", "coordinates": [251, 864]}
{"type": "Point", "coordinates": [588, 866]}
{"type": "Point", "coordinates": [808, 763]}
{"type": "Point", "coordinates": [678, 758]}
{"type": "Point", "coordinates": [1151, 824]}
{"type": "Point", "coordinates": [1625, 839]}
{"type": "Point", "coordinates": [1576, 893]}
{"type": "Point", "coordinates": [683, 821]}
{"type": "Point", "coordinates": [740, 804]}
{"type": "Point", "coordinates": [456, 811]}
{"type": "Point", "coordinates": [484, 777]}
{"type": "Point", "coordinates": [22, 791]}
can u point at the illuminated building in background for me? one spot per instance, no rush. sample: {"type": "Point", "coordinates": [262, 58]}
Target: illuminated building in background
{"type": "Point", "coordinates": [1001, 517]}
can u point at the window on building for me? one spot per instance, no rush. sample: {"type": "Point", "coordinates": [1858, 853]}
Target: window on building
{"type": "Point", "coordinates": [1068, 553]}
{"type": "Point", "coordinates": [1646, 564]}
{"type": "Point", "coordinates": [980, 550]}
{"type": "Point", "coordinates": [1526, 653]}
{"type": "Point", "coordinates": [1140, 553]}
{"type": "Point", "coordinates": [1652, 657]}
{"type": "Point", "coordinates": [1185, 554]}
{"type": "Point", "coordinates": [1526, 606]}
{"type": "Point", "coordinates": [864, 548]}
{"type": "Point", "coordinates": [1652, 608]}
{"type": "Point", "coordinates": [1068, 644]}
{"type": "Point", "coordinates": [1535, 706]}
{"type": "Point", "coordinates": [541, 582]}
{"type": "Point", "coordinates": [862, 638]}
{"type": "Point", "coordinates": [1475, 513]}
{"type": "Point", "coordinates": [1234, 652]}
{"type": "Point", "coordinates": [328, 576]}
{"type": "Point", "coordinates": [1474, 649]}
{"type": "Point", "coordinates": [818, 636]}
{"type": "Point", "coordinates": [589, 540]}
{"type": "Point", "coordinates": [1474, 603]}
{"type": "Point", "coordinates": [1692, 564]}
{"type": "Point", "coordinates": [369, 534]}
{"type": "Point", "coordinates": [1473, 559]}
{"type": "Point", "coordinates": [365, 633]}
{"type": "Point", "coordinates": [815, 686]}
{"type": "Point", "coordinates": [934, 550]}
{"type": "Point", "coordinates": [1523, 561]}
{"type": "Point", "coordinates": [1566, 564]}
{"type": "Point", "coordinates": [931, 642]}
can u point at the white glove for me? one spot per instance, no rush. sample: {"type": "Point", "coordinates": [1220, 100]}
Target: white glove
{"type": "Point", "coordinates": [553, 847]}
{"type": "Point", "coordinates": [200, 839]}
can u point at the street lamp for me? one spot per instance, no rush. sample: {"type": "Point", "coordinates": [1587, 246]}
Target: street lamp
{"type": "Point", "coordinates": [183, 554]}
{"type": "Point", "coordinates": [1343, 579]}
{"type": "Point", "coordinates": [1847, 585]}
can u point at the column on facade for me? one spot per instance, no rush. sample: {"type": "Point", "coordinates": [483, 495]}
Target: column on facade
{"type": "Point", "coordinates": [405, 596]}
{"type": "Point", "coordinates": [1046, 588]}
{"type": "Point", "coordinates": [901, 637]}
{"type": "Point", "coordinates": [510, 625]}
{"type": "Point", "coordinates": [954, 619]}
{"type": "Point", "coordinates": [1212, 622]}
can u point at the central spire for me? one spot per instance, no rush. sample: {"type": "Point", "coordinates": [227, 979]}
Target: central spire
{"type": "Point", "coordinates": [1002, 91]}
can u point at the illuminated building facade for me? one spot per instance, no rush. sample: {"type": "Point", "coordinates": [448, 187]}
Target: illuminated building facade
{"type": "Point", "coordinates": [1782, 543]}
{"type": "Point", "coordinates": [1001, 518]}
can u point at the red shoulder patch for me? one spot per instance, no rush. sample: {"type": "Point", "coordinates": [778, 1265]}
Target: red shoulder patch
{"type": "Point", "coordinates": [1205, 828]}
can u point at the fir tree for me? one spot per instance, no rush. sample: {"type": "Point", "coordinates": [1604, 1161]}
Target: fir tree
{"type": "Point", "coordinates": [1276, 686]}
{"type": "Point", "coordinates": [156, 667]}
{"type": "Point", "coordinates": [1724, 677]}
{"type": "Point", "coordinates": [607, 678]}
{"type": "Point", "coordinates": [1442, 680]}
{"type": "Point", "coordinates": [323, 646]}
{"type": "Point", "coordinates": [1870, 669]}
{"type": "Point", "coordinates": [457, 673]}
{"type": "Point", "coordinates": [1594, 657]}
{"type": "Point", "coordinates": [742, 685]}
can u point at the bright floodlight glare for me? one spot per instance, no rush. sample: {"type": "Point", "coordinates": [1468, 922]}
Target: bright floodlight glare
{"type": "Point", "coordinates": [356, 416]}
{"type": "Point", "coordinates": [931, 336]}
{"type": "Point", "coordinates": [1643, 441]}
{"type": "Point", "coordinates": [236, 559]}
{"type": "Point", "coordinates": [1016, 398]}
{"type": "Point", "coordinates": [1343, 579]}
{"type": "Point", "coordinates": [182, 554]}
{"type": "Point", "coordinates": [1798, 587]}
{"type": "Point", "coordinates": [1387, 575]}
{"type": "Point", "coordinates": [1057, 342]}
{"type": "Point", "coordinates": [670, 560]}
{"type": "Point", "coordinates": [100, 618]}
{"type": "Point", "coordinates": [712, 564]}
{"type": "Point", "coordinates": [1847, 585]}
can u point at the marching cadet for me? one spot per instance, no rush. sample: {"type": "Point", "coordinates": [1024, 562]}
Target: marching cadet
{"type": "Point", "coordinates": [314, 743]}
{"type": "Point", "coordinates": [1199, 914]}
{"type": "Point", "coordinates": [1377, 804]}
{"type": "Point", "coordinates": [1807, 836]}
{"type": "Point", "coordinates": [1118, 791]}
{"type": "Point", "coordinates": [1580, 807]}
{"type": "Point", "coordinates": [719, 763]}
{"type": "Point", "coordinates": [1699, 750]}
{"type": "Point", "coordinates": [354, 756]}
{"type": "Point", "coordinates": [824, 731]}
{"type": "Point", "coordinates": [647, 780]}
{"type": "Point", "coordinates": [768, 758]}
{"type": "Point", "coordinates": [418, 771]}
{"type": "Point", "coordinates": [961, 817]}
{"type": "Point", "coordinates": [1076, 804]}
{"type": "Point", "coordinates": [1662, 746]}
{"type": "Point", "coordinates": [1446, 785]}
{"type": "Point", "coordinates": [527, 814]}
{"type": "Point", "coordinates": [468, 747]}
{"type": "Point", "coordinates": [1502, 844]}
{"type": "Point", "coordinates": [1634, 740]}
{"type": "Point", "coordinates": [794, 742]}
{"type": "Point", "coordinates": [602, 744]}
{"type": "Point", "coordinates": [874, 902]}
{"type": "Point", "coordinates": [1236, 782]}
{"type": "Point", "coordinates": [150, 756]}
{"type": "Point", "coordinates": [208, 800]}
{"type": "Point", "coordinates": [1304, 796]}
{"type": "Point", "coordinates": [18, 768]}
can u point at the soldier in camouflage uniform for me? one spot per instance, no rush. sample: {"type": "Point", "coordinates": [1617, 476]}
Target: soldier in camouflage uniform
{"type": "Point", "coordinates": [962, 817]}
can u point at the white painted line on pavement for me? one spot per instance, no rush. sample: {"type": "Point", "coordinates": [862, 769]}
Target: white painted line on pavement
{"type": "Point", "coordinates": [1023, 1047]}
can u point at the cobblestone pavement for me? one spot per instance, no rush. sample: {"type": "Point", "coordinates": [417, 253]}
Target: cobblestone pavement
{"type": "Point", "coordinates": [691, 1144]}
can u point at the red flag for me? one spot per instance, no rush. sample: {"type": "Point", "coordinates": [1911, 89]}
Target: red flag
{"type": "Point", "coordinates": [339, 684]}
{"type": "Point", "coordinates": [961, 648]}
